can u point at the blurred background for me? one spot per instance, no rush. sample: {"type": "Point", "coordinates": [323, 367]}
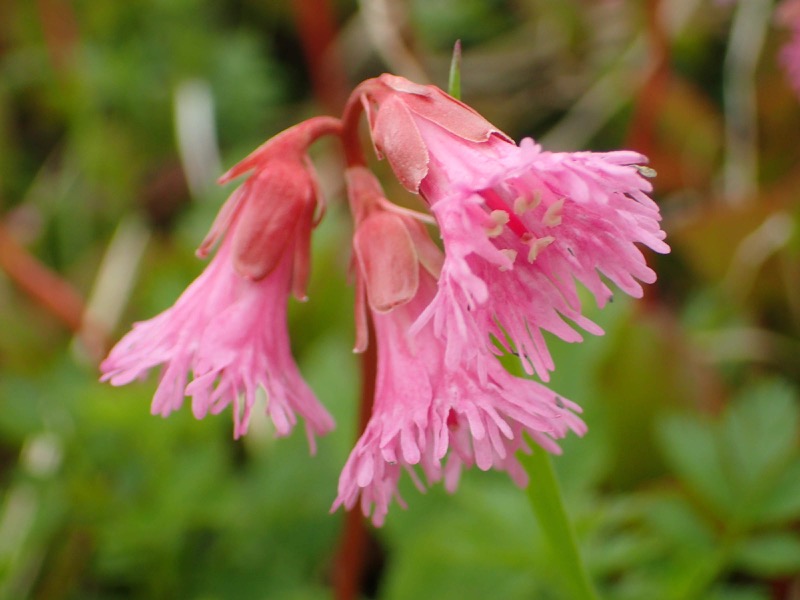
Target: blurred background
{"type": "Point", "coordinates": [117, 117]}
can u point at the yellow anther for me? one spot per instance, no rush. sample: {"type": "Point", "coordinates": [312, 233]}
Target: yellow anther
{"type": "Point", "coordinates": [497, 220]}
{"type": "Point", "coordinates": [511, 255]}
{"type": "Point", "coordinates": [537, 245]}
{"type": "Point", "coordinates": [523, 204]}
{"type": "Point", "coordinates": [552, 216]}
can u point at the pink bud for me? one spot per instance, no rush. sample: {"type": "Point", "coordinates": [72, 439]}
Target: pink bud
{"type": "Point", "coordinates": [394, 107]}
{"type": "Point", "coordinates": [387, 260]}
{"type": "Point", "coordinates": [436, 106]}
{"type": "Point", "coordinates": [390, 246]}
{"type": "Point", "coordinates": [277, 206]}
{"type": "Point", "coordinates": [397, 138]}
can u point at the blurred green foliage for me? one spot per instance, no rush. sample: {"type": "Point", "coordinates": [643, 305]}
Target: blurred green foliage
{"type": "Point", "coordinates": [688, 482]}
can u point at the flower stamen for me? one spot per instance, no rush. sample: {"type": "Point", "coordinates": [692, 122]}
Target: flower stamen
{"type": "Point", "coordinates": [552, 216]}
{"type": "Point", "coordinates": [536, 244]}
{"type": "Point", "coordinates": [498, 219]}
{"type": "Point", "coordinates": [523, 204]}
{"type": "Point", "coordinates": [511, 255]}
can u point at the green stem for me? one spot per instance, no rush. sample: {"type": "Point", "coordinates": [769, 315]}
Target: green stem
{"type": "Point", "coordinates": [544, 494]}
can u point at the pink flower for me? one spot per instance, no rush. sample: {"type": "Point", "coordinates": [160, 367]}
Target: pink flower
{"type": "Point", "coordinates": [521, 228]}
{"type": "Point", "coordinates": [228, 330]}
{"type": "Point", "coordinates": [520, 225]}
{"type": "Point", "coordinates": [426, 413]}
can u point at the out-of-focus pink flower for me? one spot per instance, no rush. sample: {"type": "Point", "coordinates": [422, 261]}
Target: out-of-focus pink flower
{"type": "Point", "coordinates": [428, 414]}
{"type": "Point", "coordinates": [228, 330]}
{"type": "Point", "coordinates": [788, 14]}
{"type": "Point", "coordinates": [520, 225]}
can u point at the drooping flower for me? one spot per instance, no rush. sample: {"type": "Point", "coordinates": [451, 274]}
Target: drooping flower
{"type": "Point", "coordinates": [429, 415]}
{"type": "Point", "coordinates": [520, 225]}
{"type": "Point", "coordinates": [228, 330]}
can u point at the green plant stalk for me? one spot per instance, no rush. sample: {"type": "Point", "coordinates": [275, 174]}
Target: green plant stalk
{"type": "Point", "coordinates": [544, 495]}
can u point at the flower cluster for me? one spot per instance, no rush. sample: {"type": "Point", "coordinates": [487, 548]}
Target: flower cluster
{"type": "Point", "coordinates": [520, 229]}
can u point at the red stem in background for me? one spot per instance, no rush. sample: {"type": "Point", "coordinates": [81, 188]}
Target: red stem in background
{"type": "Point", "coordinates": [649, 103]}
{"type": "Point", "coordinates": [642, 137]}
{"type": "Point", "coordinates": [317, 28]}
{"type": "Point", "coordinates": [44, 286]}
{"type": "Point", "coordinates": [650, 99]}
{"type": "Point", "coordinates": [60, 29]}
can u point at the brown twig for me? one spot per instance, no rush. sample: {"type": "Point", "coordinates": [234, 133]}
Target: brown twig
{"type": "Point", "coordinates": [650, 99]}
{"type": "Point", "coordinates": [46, 287]}
{"type": "Point", "coordinates": [60, 29]}
{"type": "Point", "coordinates": [648, 104]}
{"type": "Point", "coordinates": [317, 28]}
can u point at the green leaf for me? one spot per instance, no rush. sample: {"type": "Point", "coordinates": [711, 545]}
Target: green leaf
{"type": "Point", "coordinates": [760, 432]}
{"type": "Point", "coordinates": [472, 545]}
{"type": "Point", "coordinates": [770, 554]}
{"type": "Point", "coordinates": [691, 450]}
{"type": "Point", "coordinates": [739, 593]}
{"type": "Point", "coordinates": [782, 502]}
{"type": "Point", "coordinates": [675, 520]}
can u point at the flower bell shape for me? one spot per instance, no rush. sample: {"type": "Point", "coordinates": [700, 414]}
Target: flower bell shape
{"type": "Point", "coordinates": [520, 225]}
{"type": "Point", "coordinates": [427, 415]}
{"type": "Point", "coordinates": [228, 330]}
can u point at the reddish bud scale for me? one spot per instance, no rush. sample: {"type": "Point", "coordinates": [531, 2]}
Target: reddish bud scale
{"type": "Point", "coordinates": [279, 205]}
{"type": "Point", "coordinates": [388, 246]}
{"type": "Point", "coordinates": [387, 260]}
{"type": "Point", "coordinates": [394, 104]}
{"type": "Point", "coordinates": [276, 207]}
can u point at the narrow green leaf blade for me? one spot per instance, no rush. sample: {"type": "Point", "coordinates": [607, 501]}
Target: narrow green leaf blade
{"type": "Point", "coordinates": [454, 82]}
